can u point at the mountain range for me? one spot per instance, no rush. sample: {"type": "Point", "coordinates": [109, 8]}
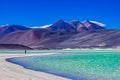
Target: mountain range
{"type": "Point", "coordinates": [60, 35]}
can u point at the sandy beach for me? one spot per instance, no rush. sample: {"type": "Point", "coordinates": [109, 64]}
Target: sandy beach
{"type": "Point", "coordinates": [10, 71]}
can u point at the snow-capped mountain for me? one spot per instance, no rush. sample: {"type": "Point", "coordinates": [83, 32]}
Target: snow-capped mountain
{"type": "Point", "coordinates": [76, 26]}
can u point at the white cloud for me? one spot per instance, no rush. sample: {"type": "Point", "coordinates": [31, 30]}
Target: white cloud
{"type": "Point", "coordinates": [45, 26]}
{"type": "Point", "coordinates": [98, 23]}
{"type": "Point", "coordinates": [35, 27]}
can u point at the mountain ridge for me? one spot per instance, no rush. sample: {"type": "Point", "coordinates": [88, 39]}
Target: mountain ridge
{"type": "Point", "coordinates": [62, 35]}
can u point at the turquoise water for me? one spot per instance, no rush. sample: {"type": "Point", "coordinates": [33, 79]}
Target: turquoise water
{"type": "Point", "coordinates": [49, 51]}
{"type": "Point", "coordinates": [76, 65]}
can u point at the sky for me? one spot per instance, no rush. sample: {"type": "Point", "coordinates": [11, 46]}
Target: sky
{"type": "Point", "coordinates": [43, 12]}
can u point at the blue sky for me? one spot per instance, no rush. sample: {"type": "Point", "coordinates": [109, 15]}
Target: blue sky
{"type": "Point", "coordinates": [42, 12]}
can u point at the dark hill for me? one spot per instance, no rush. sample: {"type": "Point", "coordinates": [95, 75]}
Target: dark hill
{"type": "Point", "coordinates": [14, 46]}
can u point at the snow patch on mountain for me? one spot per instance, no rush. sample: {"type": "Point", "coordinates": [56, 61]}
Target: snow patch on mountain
{"type": "Point", "coordinates": [45, 26]}
{"type": "Point", "coordinates": [98, 23]}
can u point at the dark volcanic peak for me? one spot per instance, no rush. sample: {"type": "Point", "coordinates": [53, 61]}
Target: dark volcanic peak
{"type": "Point", "coordinates": [75, 22]}
{"type": "Point", "coordinates": [61, 21]}
{"type": "Point", "coordinates": [61, 26]}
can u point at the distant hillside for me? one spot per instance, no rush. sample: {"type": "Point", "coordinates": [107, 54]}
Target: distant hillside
{"type": "Point", "coordinates": [62, 35]}
{"type": "Point", "coordinates": [11, 28]}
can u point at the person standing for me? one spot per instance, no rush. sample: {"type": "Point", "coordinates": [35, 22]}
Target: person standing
{"type": "Point", "coordinates": [25, 51]}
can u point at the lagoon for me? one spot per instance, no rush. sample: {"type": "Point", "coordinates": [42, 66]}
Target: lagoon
{"type": "Point", "coordinates": [76, 65]}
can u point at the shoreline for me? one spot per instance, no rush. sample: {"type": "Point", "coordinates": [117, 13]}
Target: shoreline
{"type": "Point", "coordinates": [11, 71]}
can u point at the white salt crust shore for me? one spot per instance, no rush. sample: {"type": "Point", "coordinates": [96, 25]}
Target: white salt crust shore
{"type": "Point", "coordinates": [10, 71]}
